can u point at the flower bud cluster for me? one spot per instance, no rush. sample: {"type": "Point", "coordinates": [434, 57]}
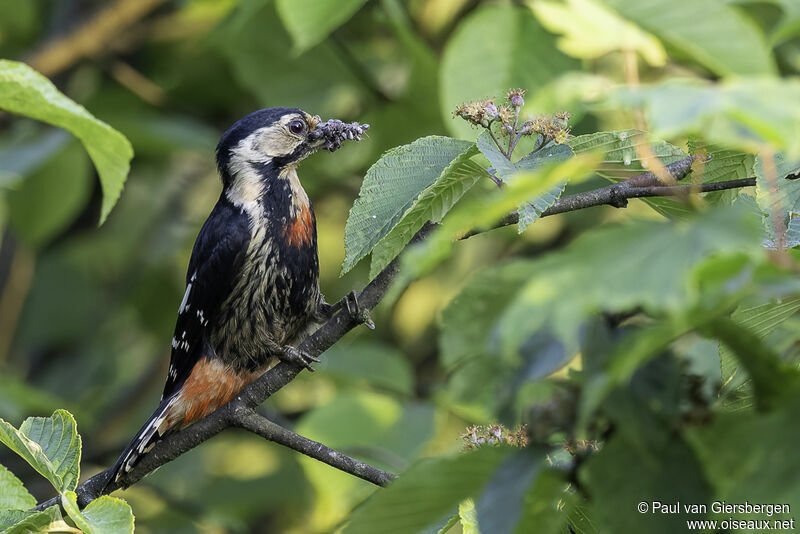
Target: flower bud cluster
{"type": "Point", "coordinates": [486, 113]}
{"type": "Point", "coordinates": [477, 436]}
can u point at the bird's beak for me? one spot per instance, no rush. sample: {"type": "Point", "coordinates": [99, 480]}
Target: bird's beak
{"type": "Point", "coordinates": [331, 133]}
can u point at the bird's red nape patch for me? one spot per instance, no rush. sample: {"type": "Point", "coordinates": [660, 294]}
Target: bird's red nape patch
{"type": "Point", "coordinates": [299, 231]}
{"type": "Point", "coordinates": [210, 385]}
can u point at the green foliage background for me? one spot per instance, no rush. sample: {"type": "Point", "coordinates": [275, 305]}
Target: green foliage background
{"type": "Point", "coordinates": [694, 398]}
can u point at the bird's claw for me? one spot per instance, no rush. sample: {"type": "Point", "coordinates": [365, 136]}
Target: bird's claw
{"type": "Point", "coordinates": [354, 310]}
{"type": "Point", "coordinates": [298, 357]}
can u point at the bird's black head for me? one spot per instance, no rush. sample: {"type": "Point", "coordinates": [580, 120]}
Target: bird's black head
{"type": "Point", "coordinates": [271, 137]}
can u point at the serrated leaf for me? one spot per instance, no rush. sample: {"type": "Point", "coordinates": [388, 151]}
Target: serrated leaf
{"type": "Point", "coordinates": [760, 320]}
{"type": "Point", "coordinates": [713, 33]}
{"type": "Point", "coordinates": [13, 495]}
{"type": "Point", "coordinates": [426, 492]}
{"type": "Point", "coordinates": [726, 164]}
{"type": "Point", "coordinates": [26, 92]}
{"type": "Point", "coordinates": [431, 205]}
{"type": "Point", "coordinates": [104, 515]}
{"type": "Point", "coordinates": [25, 521]}
{"type": "Point", "coordinates": [51, 445]}
{"type": "Point", "coordinates": [390, 188]}
{"type": "Point", "coordinates": [311, 21]}
{"type": "Point", "coordinates": [506, 169]}
{"type": "Point", "coordinates": [622, 161]}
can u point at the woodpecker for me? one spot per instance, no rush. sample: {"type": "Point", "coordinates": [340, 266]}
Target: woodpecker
{"type": "Point", "coordinates": [252, 286]}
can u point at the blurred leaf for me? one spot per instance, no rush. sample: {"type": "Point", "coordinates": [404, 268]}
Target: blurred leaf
{"type": "Point", "coordinates": [427, 491]}
{"type": "Point", "coordinates": [257, 47]}
{"type": "Point", "coordinates": [751, 457]}
{"type": "Point", "coordinates": [500, 506]}
{"type": "Point", "coordinates": [760, 320]}
{"type": "Point", "coordinates": [13, 495]}
{"type": "Point", "coordinates": [104, 515]}
{"type": "Point", "coordinates": [786, 200]}
{"type": "Point", "coordinates": [771, 377]}
{"type": "Point", "coordinates": [711, 32]}
{"type": "Point", "coordinates": [590, 30]}
{"type": "Point", "coordinates": [51, 198]}
{"type": "Point", "coordinates": [468, 517]}
{"type": "Point", "coordinates": [566, 287]}
{"type": "Point", "coordinates": [432, 204]}
{"type": "Point", "coordinates": [494, 48]}
{"type": "Point", "coordinates": [311, 21]}
{"type": "Point", "coordinates": [667, 472]}
{"type": "Point", "coordinates": [24, 522]}
{"type": "Point", "coordinates": [51, 445]}
{"type": "Point", "coordinates": [544, 510]}
{"type": "Point", "coordinates": [744, 113]}
{"type": "Point", "coordinates": [390, 188]}
{"type": "Point", "coordinates": [381, 366]}
{"type": "Point", "coordinates": [20, 158]}
{"type": "Point", "coordinates": [26, 92]}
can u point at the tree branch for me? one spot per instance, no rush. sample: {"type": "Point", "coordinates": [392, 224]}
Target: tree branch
{"type": "Point", "coordinates": [262, 426]}
{"type": "Point", "coordinates": [240, 412]}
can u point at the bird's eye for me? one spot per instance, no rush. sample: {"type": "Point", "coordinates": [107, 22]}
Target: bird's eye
{"type": "Point", "coordinates": [297, 127]}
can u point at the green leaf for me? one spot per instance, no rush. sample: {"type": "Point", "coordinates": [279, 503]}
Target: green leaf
{"type": "Point", "coordinates": [492, 49]}
{"type": "Point", "coordinates": [711, 32]}
{"type": "Point", "coordinates": [748, 114]}
{"type": "Point", "coordinates": [426, 492]}
{"type": "Point", "coordinates": [311, 21]}
{"type": "Point", "coordinates": [726, 164]}
{"type": "Point", "coordinates": [13, 495]}
{"type": "Point", "coordinates": [566, 287]}
{"type": "Point", "coordinates": [784, 201]}
{"type": "Point", "coordinates": [760, 320]}
{"type": "Point", "coordinates": [500, 506]}
{"type": "Point", "coordinates": [484, 212]}
{"type": "Point", "coordinates": [390, 188]}
{"type": "Point", "coordinates": [431, 205]}
{"type": "Point", "coordinates": [772, 378]}
{"type": "Point", "coordinates": [620, 156]}
{"type": "Point", "coordinates": [104, 515]}
{"type": "Point", "coordinates": [622, 161]}
{"type": "Point", "coordinates": [25, 521]}
{"type": "Point", "coordinates": [26, 92]}
{"type": "Point", "coordinates": [376, 364]}
{"type": "Point", "coordinates": [530, 210]}
{"type": "Point", "coordinates": [51, 445]}
{"type": "Point", "coordinates": [591, 30]}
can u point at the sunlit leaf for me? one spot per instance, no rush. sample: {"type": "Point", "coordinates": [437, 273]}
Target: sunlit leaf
{"type": "Point", "coordinates": [391, 186]}
{"type": "Point", "coordinates": [432, 205]}
{"type": "Point", "coordinates": [51, 445]}
{"type": "Point", "coordinates": [104, 515]}
{"type": "Point", "coordinates": [26, 521]}
{"type": "Point", "coordinates": [711, 32]}
{"type": "Point", "coordinates": [591, 30]}
{"type": "Point", "coordinates": [26, 92]}
{"type": "Point", "coordinates": [13, 495]}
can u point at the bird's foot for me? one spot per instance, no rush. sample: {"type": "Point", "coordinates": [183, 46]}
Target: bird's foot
{"type": "Point", "coordinates": [297, 357]}
{"type": "Point", "coordinates": [361, 315]}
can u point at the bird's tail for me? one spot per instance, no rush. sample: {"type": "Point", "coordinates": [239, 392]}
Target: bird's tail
{"type": "Point", "coordinates": [144, 440]}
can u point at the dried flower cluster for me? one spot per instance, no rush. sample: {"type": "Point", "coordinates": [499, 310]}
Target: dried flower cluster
{"type": "Point", "coordinates": [504, 119]}
{"type": "Point", "coordinates": [477, 436]}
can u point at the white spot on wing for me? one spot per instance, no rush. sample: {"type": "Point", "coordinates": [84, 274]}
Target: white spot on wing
{"type": "Point", "coordinates": [185, 300]}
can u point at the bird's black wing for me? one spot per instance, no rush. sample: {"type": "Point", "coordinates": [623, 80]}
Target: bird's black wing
{"type": "Point", "coordinates": [217, 258]}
